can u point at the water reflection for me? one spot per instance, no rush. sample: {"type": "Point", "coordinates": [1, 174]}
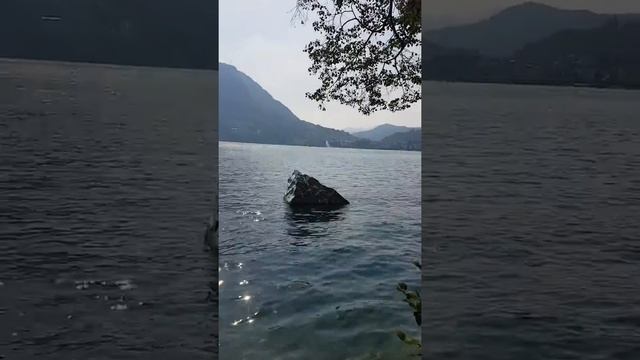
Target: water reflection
{"type": "Point", "coordinates": [310, 222]}
{"type": "Point", "coordinates": [245, 311]}
{"type": "Point", "coordinates": [314, 277]}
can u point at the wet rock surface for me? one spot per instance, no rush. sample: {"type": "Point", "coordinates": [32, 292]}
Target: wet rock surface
{"type": "Point", "coordinates": [306, 191]}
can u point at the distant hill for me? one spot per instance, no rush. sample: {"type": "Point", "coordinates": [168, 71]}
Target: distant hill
{"type": "Point", "coordinates": [380, 132]}
{"type": "Point", "coordinates": [405, 140]}
{"type": "Point", "coordinates": [509, 30]}
{"type": "Point", "coordinates": [538, 44]}
{"type": "Point", "coordinates": [611, 41]}
{"type": "Point", "coordinates": [248, 113]}
{"type": "Point", "coordinates": [166, 33]}
{"type": "Point", "coordinates": [605, 56]}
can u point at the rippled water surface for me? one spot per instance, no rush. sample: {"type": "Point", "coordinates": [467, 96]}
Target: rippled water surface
{"type": "Point", "coordinates": [316, 285]}
{"type": "Point", "coordinates": [532, 222]}
{"type": "Point", "coordinates": [106, 183]}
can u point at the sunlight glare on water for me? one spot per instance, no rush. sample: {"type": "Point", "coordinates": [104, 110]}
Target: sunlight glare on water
{"type": "Point", "coordinates": [317, 284]}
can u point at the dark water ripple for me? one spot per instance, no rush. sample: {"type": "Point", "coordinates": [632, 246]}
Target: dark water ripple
{"type": "Point", "coordinates": [531, 225]}
{"type": "Point", "coordinates": [106, 183]}
{"type": "Point", "coordinates": [317, 284]}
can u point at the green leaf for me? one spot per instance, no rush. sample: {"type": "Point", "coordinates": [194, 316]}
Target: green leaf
{"type": "Point", "coordinates": [408, 339]}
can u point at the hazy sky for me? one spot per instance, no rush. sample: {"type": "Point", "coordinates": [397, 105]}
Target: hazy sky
{"type": "Point", "coordinates": [437, 13]}
{"type": "Point", "coordinates": [259, 38]}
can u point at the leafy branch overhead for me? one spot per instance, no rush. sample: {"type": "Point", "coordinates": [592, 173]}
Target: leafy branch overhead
{"type": "Point", "coordinates": [368, 53]}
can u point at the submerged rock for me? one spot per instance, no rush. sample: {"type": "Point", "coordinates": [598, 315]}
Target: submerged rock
{"type": "Point", "coordinates": [305, 191]}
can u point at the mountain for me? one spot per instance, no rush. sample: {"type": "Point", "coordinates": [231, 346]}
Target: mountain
{"type": "Point", "coordinates": [512, 28]}
{"type": "Point", "coordinates": [605, 56]}
{"type": "Point", "coordinates": [248, 113]}
{"type": "Point", "coordinates": [404, 140]}
{"type": "Point", "coordinates": [166, 33]}
{"type": "Point", "coordinates": [380, 132]}
{"type": "Point", "coordinates": [608, 55]}
{"type": "Point", "coordinates": [538, 44]}
{"type": "Point", "coordinates": [614, 40]}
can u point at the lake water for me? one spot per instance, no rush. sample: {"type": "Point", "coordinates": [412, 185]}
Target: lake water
{"type": "Point", "coordinates": [107, 178]}
{"type": "Point", "coordinates": [531, 222]}
{"type": "Point", "coordinates": [296, 285]}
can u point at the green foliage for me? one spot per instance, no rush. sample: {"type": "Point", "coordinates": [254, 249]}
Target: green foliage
{"type": "Point", "coordinates": [368, 54]}
{"type": "Point", "coordinates": [413, 299]}
{"type": "Point", "coordinates": [415, 302]}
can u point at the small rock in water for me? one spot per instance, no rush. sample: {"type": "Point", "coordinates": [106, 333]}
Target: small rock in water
{"type": "Point", "coordinates": [305, 191]}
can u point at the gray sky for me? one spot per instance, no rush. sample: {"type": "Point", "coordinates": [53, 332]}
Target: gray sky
{"type": "Point", "coordinates": [437, 13]}
{"type": "Point", "coordinates": [257, 37]}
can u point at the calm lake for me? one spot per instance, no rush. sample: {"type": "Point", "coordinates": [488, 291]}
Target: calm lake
{"type": "Point", "coordinates": [531, 222]}
{"type": "Point", "coordinates": [296, 285]}
{"type": "Point", "coordinates": [107, 178]}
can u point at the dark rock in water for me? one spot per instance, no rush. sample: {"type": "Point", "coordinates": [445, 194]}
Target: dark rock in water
{"type": "Point", "coordinates": [305, 191]}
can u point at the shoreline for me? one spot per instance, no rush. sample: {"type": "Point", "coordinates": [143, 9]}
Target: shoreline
{"type": "Point", "coordinates": [71, 63]}
{"type": "Point", "coordinates": [540, 84]}
{"type": "Point", "coordinates": [313, 146]}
